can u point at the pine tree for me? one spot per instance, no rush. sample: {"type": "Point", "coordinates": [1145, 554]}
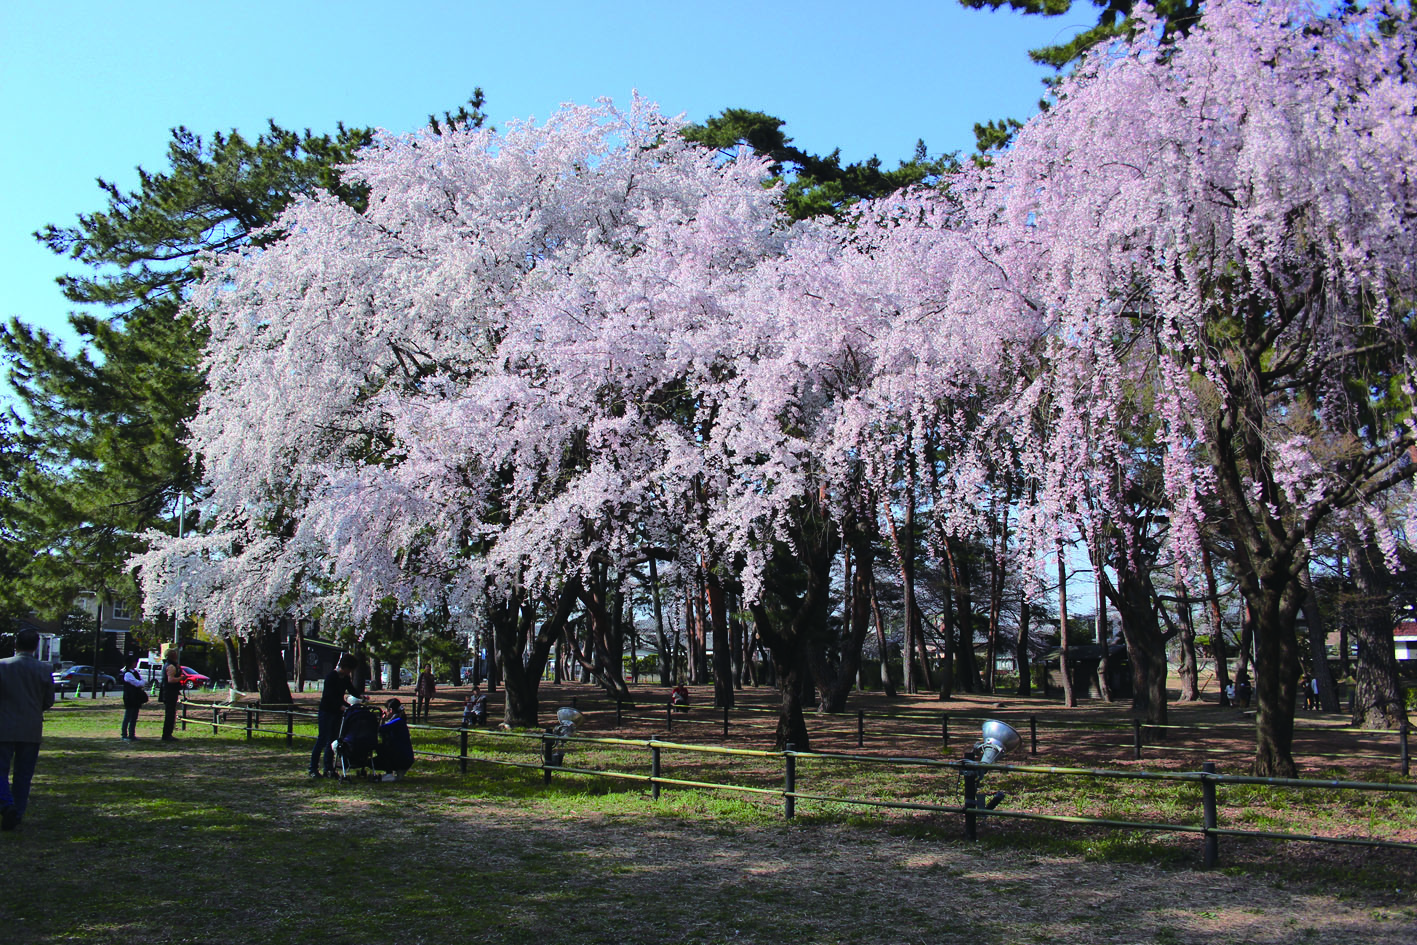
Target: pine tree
{"type": "Point", "coordinates": [102, 436]}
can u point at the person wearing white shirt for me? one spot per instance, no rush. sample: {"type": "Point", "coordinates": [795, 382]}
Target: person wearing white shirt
{"type": "Point", "coordinates": [134, 695]}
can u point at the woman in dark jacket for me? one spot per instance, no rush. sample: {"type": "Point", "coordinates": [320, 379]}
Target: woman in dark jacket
{"type": "Point", "coordinates": [133, 698]}
{"type": "Point", "coordinates": [395, 754]}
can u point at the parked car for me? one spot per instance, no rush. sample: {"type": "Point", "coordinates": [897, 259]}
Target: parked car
{"type": "Point", "coordinates": [81, 677]}
{"type": "Point", "coordinates": [191, 679]}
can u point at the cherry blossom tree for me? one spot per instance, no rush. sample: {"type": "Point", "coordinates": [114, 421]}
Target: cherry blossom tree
{"type": "Point", "coordinates": [456, 397]}
{"type": "Point", "coordinates": [1238, 206]}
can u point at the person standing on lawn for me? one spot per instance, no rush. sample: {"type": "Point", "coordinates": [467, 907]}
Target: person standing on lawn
{"type": "Point", "coordinates": [26, 690]}
{"type": "Point", "coordinates": [423, 692]}
{"type": "Point", "coordinates": [171, 693]}
{"type": "Point", "coordinates": [338, 685]}
{"type": "Point", "coordinates": [133, 698]}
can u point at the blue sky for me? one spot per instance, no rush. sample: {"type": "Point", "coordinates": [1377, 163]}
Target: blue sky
{"type": "Point", "coordinates": [90, 89]}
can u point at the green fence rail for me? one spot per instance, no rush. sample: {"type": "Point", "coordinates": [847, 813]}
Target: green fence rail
{"type": "Point", "coordinates": [974, 807]}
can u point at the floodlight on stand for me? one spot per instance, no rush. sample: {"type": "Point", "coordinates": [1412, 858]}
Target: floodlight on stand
{"type": "Point", "coordinates": [999, 737]}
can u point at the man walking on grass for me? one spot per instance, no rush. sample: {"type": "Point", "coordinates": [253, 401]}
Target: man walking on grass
{"type": "Point", "coordinates": [26, 690]}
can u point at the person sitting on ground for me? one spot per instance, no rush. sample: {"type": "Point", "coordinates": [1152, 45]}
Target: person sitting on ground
{"type": "Point", "coordinates": [474, 711]}
{"type": "Point", "coordinates": [395, 753]}
{"type": "Point", "coordinates": [679, 697]}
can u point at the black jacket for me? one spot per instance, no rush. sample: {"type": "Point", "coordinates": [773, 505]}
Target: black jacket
{"type": "Point", "coordinates": [336, 688]}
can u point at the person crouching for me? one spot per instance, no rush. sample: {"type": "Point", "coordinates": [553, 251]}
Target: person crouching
{"type": "Point", "coordinates": [395, 754]}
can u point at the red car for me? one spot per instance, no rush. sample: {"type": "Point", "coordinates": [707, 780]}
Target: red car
{"type": "Point", "coordinates": [191, 679]}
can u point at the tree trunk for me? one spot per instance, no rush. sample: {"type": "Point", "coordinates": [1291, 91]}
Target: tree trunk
{"type": "Point", "coordinates": [1025, 673]}
{"type": "Point", "coordinates": [722, 651]}
{"type": "Point", "coordinates": [903, 542]}
{"type": "Point", "coordinates": [1146, 646]}
{"type": "Point", "coordinates": [1276, 679]}
{"type": "Point", "coordinates": [1318, 646]}
{"type": "Point", "coordinates": [947, 645]}
{"type": "Point", "coordinates": [522, 649]}
{"type": "Point", "coordinates": [966, 667]}
{"type": "Point", "coordinates": [882, 644]}
{"type": "Point", "coordinates": [250, 665]}
{"type": "Point", "coordinates": [790, 645]}
{"type": "Point", "coordinates": [1217, 627]}
{"type": "Point", "coordinates": [835, 680]}
{"type": "Point", "coordinates": [233, 665]}
{"type": "Point", "coordinates": [788, 662]}
{"type": "Point", "coordinates": [1247, 645]}
{"type": "Point", "coordinates": [1104, 666]}
{"type": "Point", "coordinates": [606, 664]}
{"type": "Point", "coordinates": [666, 677]}
{"type": "Point", "coordinates": [1064, 669]}
{"type": "Point", "coordinates": [1188, 671]}
{"type": "Point", "coordinates": [274, 685]}
{"type": "Point", "coordinates": [1377, 695]}
{"type": "Point", "coordinates": [298, 657]}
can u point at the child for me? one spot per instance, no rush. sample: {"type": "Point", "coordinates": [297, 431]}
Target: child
{"type": "Point", "coordinates": [395, 754]}
{"type": "Point", "coordinates": [474, 711]}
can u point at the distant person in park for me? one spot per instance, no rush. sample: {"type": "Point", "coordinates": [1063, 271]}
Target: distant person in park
{"type": "Point", "coordinates": [395, 754]}
{"type": "Point", "coordinates": [26, 690]}
{"type": "Point", "coordinates": [134, 696]}
{"type": "Point", "coordinates": [474, 711]}
{"type": "Point", "coordinates": [679, 698]}
{"type": "Point", "coordinates": [424, 689]}
{"type": "Point", "coordinates": [1243, 691]}
{"type": "Point", "coordinates": [339, 686]}
{"type": "Point", "coordinates": [171, 692]}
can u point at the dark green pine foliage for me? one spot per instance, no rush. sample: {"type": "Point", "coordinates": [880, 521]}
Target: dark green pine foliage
{"type": "Point", "coordinates": [815, 186]}
{"type": "Point", "coordinates": [1114, 20]}
{"type": "Point", "coordinates": [102, 431]}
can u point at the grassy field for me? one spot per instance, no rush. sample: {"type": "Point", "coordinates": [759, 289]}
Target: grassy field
{"type": "Point", "coordinates": [215, 839]}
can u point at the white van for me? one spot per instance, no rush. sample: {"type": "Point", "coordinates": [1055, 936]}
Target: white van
{"type": "Point", "coordinates": [149, 670]}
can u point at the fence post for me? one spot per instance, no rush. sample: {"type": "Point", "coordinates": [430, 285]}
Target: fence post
{"type": "Point", "coordinates": [971, 799]}
{"type": "Point", "coordinates": [654, 771]}
{"type": "Point", "coordinates": [860, 728]}
{"type": "Point", "coordinates": [1212, 842]}
{"type": "Point", "coordinates": [669, 717]}
{"type": "Point", "coordinates": [1136, 739]}
{"type": "Point", "coordinates": [214, 719]}
{"type": "Point", "coordinates": [617, 712]}
{"type": "Point", "coordinates": [546, 753]}
{"type": "Point", "coordinates": [1402, 746]}
{"type": "Point", "coordinates": [248, 725]}
{"type": "Point", "coordinates": [184, 715]}
{"type": "Point", "coordinates": [290, 725]}
{"type": "Point", "coordinates": [1033, 734]}
{"type": "Point", "coordinates": [725, 721]}
{"type": "Point", "coordinates": [945, 729]}
{"type": "Point", "coordinates": [789, 803]}
{"type": "Point", "coordinates": [462, 750]}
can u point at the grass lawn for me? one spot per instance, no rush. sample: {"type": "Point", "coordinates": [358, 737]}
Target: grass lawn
{"type": "Point", "coordinates": [216, 840]}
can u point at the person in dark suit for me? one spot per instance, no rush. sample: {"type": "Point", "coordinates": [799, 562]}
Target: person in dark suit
{"type": "Point", "coordinates": [340, 685]}
{"type": "Point", "coordinates": [171, 694]}
{"type": "Point", "coordinates": [26, 690]}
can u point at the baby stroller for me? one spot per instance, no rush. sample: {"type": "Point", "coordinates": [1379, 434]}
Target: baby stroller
{"type": "Point", "coordinates": [358, 737]}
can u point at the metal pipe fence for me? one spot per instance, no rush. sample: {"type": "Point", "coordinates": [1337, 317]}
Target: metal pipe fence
{"type": "Point", "coordinates": [974, 808]}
